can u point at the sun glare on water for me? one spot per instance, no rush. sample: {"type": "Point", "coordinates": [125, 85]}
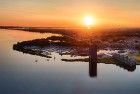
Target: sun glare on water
{"type": "Point", "coordinates": [89, 21]}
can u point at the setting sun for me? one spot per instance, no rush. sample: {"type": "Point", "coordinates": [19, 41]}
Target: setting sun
{"type": "Point", "coordinates": [89, 20]}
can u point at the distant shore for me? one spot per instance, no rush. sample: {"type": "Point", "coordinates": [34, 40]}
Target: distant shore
{"type": "Point", "coordinates": [72, 31]}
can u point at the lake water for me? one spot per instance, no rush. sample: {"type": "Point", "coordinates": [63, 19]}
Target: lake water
{"type": "Point", "coordinates": [29, 74]}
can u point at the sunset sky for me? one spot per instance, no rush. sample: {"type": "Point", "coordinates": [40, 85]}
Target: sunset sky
{"type": "Point", "coordinates": [69, 13]}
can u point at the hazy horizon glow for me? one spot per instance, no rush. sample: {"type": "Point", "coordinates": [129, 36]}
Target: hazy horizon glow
{"type": "Point", "coordinates": [69, 13]}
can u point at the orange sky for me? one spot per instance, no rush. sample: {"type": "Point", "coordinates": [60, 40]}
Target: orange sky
{"type": "Point", "coordinates": [70, 13]}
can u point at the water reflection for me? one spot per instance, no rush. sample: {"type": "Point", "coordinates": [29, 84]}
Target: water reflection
{"type": "Point", "coordinates": [93, 68]}
{"type": "Point", "coordinates": [126, 67]}
{"type": "Point", "coordinates": [93, 60]}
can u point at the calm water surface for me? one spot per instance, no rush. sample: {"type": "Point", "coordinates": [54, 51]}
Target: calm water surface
{"type": "Point", "coordinates": [28, 74]}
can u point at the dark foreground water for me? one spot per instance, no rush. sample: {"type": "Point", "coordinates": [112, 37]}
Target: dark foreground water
{"type": "Point", "coordinates": [29, 74]}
